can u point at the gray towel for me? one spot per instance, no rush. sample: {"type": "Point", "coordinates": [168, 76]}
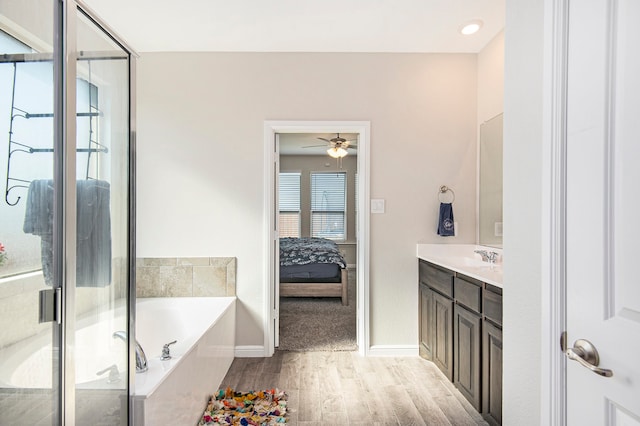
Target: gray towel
{"type": "Point", "coordinates": [93, 267]}
{"type": "Point", "coordinates": [93, 263]}
{"type": "Point", "coordinates": [38, 220]}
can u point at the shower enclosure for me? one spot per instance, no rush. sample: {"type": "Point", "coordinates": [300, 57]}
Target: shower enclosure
{"type": "Point", "coordinates": [67, 260]}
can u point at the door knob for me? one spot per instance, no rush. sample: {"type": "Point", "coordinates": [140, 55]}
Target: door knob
{"type": "Point", "coordinates": [586, 354]}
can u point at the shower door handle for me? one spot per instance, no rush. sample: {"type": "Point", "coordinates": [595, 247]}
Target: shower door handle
{"type": "Point", "coordinates": [48, 305]}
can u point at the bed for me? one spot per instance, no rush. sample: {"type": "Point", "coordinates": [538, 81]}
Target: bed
{"type": "Point", "coordinates": [312, 267]}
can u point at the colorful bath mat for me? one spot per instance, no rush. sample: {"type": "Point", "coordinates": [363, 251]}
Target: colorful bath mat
{"type": "Point", "coordinates": [227, 407]}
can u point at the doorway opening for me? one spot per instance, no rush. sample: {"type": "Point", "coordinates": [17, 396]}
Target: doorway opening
{"type": "Point", "coordinates": [352, 236]}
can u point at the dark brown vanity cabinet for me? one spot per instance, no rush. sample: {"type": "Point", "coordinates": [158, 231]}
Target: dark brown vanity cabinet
{"type": "Point", "coordinates": [442, 332]}
{"type": "Point", "coordinates": [492, 356]}
{"type": "Point", "coordinates": [426, 307]}
{"type": "Point", "coordinates": [460, 330]}
{"type": "Point", "coordinates": [467, 336]}
{"type": "Point", "coordinates": [436, 316]}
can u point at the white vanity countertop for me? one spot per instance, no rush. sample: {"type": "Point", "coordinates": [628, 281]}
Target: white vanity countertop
{"type": "Point", "coordinates": [461, 258]}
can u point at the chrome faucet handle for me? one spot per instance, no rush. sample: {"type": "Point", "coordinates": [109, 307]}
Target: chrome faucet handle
{"type": "Point", "coordinates": [486, 256]}
{"type": "Point", "coordinates": [483, 254]}
{"type": "Point", "coordinates": [166, 354]}
{"type": "Point", "coordinates": [114, 374]}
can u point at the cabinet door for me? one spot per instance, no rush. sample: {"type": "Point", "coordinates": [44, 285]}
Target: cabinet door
{"type": "Point", "coordinates": [492, 373]}
{"type": "Point", "coordinates": [426, 311]}
{"type": "Point", "coordinates": [441, 332]}
{"type": "Point", "coordinates": [466, 354]}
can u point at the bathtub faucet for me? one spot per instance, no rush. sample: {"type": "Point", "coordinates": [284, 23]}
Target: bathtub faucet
{"type": "Point", "coordinates": [141, 358]}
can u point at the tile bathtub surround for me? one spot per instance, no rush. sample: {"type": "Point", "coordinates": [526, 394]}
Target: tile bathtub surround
{"type": "Point", "coordinates": [185, 276]}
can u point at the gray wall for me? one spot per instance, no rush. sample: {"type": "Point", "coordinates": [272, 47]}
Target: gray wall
{"type": "Point", "coordinates": [201, 160]}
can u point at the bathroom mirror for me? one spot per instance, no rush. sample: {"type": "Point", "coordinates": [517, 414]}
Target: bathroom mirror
{"type": "Point", "coordinates": [490, 183]}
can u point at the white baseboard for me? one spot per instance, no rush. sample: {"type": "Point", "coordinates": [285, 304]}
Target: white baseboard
{"type": "Point", "coordinates": [249, 351]}
{"type": "Point", "coordinates": [393, 350]}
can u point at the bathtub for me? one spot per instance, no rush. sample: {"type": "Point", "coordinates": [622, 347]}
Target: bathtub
{"type": "Point", "coordinates": [176, 391]}
{"type": "Point", "coordinates": [27, 364]}
{"type": "Point", "coordinates": [172, 392]}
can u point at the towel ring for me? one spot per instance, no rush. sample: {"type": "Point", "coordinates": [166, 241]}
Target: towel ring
{"type": "Point", "coordinates": [443, 190]}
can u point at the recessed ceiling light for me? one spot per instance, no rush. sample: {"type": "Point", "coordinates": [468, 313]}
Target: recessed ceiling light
{"type": "Point", "coordinates": [471, 27]}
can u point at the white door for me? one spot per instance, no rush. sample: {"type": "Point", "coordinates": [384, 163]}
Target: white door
{"type": "Point", "coordinates": [603, 209]}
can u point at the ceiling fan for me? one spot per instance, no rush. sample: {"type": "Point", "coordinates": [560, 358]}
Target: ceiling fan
{"type": "Point", "coordinates": [338, 146]}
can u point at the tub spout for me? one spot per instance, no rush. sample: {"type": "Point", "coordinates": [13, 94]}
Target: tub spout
{"type": "Point", "coordinates": [141, 358]}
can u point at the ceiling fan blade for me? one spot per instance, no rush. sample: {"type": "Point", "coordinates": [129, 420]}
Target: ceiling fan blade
{"type": "Point", "coordinates": [313, 146]}
{"type": "Point", "coordinates": [353, 146]}
{"type": "Point", "coordinates": [326, 140]}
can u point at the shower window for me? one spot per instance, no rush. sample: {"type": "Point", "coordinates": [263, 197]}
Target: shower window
{"type": "Point", "coordinates": [32, 94]}
{"type": "Point", "coordinates": [26, 122]}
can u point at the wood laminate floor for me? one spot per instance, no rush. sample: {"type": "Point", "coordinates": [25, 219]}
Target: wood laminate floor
{"type": "Point", "coordinates": [343, 388]}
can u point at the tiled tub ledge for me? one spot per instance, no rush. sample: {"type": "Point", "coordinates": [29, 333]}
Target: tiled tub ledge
{"type": "Point", "coordinates": [185, 276]}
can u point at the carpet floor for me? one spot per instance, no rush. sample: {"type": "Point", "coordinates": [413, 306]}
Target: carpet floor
{"type": "Point", "coordinates": [309, 324]}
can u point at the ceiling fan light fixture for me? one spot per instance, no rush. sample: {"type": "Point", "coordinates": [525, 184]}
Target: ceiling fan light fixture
{"type": "Point", "coordinates": [337, 152]}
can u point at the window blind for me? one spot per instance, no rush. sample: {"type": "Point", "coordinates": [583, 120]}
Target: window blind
{"type": "Point", "coordinates": [289, 204]}
{"type": "Point", "coordinates": [328, 205]}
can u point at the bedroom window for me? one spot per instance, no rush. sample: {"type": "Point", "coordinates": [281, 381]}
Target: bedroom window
{"type": "Point", "coordinates": [289, 205]}
{"type": "Point", "coordinates": [328, 205]}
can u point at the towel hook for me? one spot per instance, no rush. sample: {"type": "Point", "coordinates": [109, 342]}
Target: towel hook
{"type": "Point", "coordinates": [443, 190]}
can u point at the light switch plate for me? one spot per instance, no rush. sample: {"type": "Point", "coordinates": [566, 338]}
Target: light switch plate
{"type": "Point", "coordinates": [377, 206]}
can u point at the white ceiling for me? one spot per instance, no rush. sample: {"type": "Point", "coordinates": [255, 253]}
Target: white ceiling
{"type": "Point", "coordinates": [301, 25]}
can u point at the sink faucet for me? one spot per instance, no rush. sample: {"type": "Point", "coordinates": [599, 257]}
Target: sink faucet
{"type": "Point", "coordinates": [141, 358]}
{"type": "Point", "coordinates": [490, 256]}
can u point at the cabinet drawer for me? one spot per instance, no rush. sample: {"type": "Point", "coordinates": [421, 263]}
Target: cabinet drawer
{"type": "Point", "coordinates": [468, 294]}
{"type": "Point", "coordinates": [493, 306]}
{"type": "Point", "coordinates": [436, 278]}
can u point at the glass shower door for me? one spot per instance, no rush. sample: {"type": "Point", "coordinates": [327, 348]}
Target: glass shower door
{"type": "Point", "coordinates": [102, 226]}
{"type": "Point", "coordinates": [29, 338]}
{"type": "Point", "coordinates": [65, 218]}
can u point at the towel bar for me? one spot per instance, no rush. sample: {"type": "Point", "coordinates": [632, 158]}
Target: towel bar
{"type": "Point", "coordinates": [443, 190]}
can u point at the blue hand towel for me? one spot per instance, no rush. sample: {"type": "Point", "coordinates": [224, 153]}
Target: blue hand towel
{"type": "Point", "coordinates": [445, 220]}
